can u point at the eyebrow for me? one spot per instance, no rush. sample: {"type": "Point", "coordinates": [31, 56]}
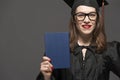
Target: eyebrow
{"type": "Point", "coordinates": [89, 12]}
{"type": "Point", "coordinates": [84, 13]}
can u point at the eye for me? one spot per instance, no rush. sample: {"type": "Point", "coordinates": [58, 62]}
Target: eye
{"type": "Point", "coordinates": [92, 14]}
{"type": "Point", "coordinates": [80, 15]}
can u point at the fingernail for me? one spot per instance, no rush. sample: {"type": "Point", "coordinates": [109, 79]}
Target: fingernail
{"type": "Point", "coordinates": [50, 60]}
{"type": "Point", "coordinates": [52, 68]}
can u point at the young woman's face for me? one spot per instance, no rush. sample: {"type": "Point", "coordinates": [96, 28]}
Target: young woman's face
{"type": "Point", "coordinates": [85, 17]}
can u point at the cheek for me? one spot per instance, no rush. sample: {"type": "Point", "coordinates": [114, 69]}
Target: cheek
{"type": "Point", "coordinates": [79, 23]}
{"type": "Point", "coordinates": [94, 23]}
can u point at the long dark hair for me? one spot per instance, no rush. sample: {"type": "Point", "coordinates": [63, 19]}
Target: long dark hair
{"type": "Point", "coordinates": [98, 37]}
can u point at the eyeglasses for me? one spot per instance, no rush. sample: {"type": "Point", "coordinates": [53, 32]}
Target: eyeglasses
{"type": "Point", "coordinates": [81, 16]}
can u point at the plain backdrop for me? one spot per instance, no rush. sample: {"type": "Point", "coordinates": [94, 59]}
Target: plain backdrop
{"type": "Point", "coordinates": [22, 27]}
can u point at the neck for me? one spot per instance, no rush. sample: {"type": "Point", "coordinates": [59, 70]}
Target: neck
{"type": "Point", "coordinates": [84, 40]}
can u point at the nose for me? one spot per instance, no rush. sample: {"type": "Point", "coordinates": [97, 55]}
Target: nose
{"type": "Point", "coordinates": [87, 20]}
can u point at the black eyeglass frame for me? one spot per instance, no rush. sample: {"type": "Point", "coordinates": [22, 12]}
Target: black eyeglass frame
{"type": "Point", "coordinates": [86, 14]}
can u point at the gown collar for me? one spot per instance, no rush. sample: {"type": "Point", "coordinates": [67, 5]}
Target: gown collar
{"type": "Point", "coordinates": [79, 48]}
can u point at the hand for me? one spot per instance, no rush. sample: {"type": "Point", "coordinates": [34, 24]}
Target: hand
{"type": "Point", "coordinates": [46, 67]}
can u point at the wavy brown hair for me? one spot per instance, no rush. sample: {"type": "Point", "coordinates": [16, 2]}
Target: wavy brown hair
{"type": "Point", "coordinates": [98, 37]}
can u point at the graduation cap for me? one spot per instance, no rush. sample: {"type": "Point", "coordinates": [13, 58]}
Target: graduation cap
{"type": "Point", "coordinates": [93, 3]}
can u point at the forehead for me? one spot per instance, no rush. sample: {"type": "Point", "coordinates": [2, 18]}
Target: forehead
{"type": "Point", "coordinates": [85, 9]}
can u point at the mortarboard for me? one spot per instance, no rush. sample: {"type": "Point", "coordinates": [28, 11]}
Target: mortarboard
{"type": "Point", "coordinates": [93, 3]}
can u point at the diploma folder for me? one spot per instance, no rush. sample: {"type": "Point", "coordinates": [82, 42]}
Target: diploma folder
{"type": "Point", "coordinates": [57, 48]}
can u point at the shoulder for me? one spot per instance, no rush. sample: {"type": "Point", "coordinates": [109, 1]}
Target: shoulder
{"type": "Point", "coordinates": [113, 45]}
{"type": "Point", "coordinates": [113, 49]}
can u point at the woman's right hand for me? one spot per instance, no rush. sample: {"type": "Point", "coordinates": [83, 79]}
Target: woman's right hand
{"type": "Point", "coordinates": [46, 67]}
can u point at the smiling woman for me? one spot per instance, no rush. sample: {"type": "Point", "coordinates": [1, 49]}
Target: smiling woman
{"type": "Point", "coordinates": [85, 18]}
{"type": "Point", "coordinates": [92, 57]}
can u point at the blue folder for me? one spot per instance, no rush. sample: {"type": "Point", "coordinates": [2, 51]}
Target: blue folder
{"type": "Point", "coordinates": [57, 48]}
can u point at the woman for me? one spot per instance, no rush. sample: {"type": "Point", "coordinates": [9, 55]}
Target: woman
{"type": "Point", "coordinates": [92, 58]}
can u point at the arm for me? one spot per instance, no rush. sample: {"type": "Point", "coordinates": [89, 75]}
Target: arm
{"type": "Point", "coordinates": [115, 57]}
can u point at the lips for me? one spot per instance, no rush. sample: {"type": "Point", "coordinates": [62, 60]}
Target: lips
{"type": "Point", "coordinates": [86, 26]}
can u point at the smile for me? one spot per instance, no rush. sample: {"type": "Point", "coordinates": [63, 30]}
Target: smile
{"type": "Point", "coordinates": [86, 26]}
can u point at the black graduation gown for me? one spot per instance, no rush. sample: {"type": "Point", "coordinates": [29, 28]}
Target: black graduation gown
{"type": "Point", "coordinates": [94, 67]}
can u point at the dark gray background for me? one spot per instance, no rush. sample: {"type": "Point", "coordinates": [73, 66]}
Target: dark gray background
{"type": "Point", "coordinates": [22, 27]}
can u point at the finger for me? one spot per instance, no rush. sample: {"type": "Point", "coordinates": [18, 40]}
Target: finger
{"type": "Point", "coordinates": [46, 63]}
{"type": "Point", "coordinates": [45, 58]}
{"type": "Point", "coordinates": [46, 68]}
{"type": "Point", "coordinates": [51, 66]}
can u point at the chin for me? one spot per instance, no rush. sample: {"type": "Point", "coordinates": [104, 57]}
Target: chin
{"type": "Point", "coordinates": [87, 32]}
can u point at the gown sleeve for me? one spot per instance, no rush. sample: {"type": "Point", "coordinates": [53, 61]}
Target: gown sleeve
{"type": "Point", "coordinates": [58, 74]}
{"type": "Point", "coordinates": [114, 53]}
{"type": "Point", "coordinates": [41, 77]}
